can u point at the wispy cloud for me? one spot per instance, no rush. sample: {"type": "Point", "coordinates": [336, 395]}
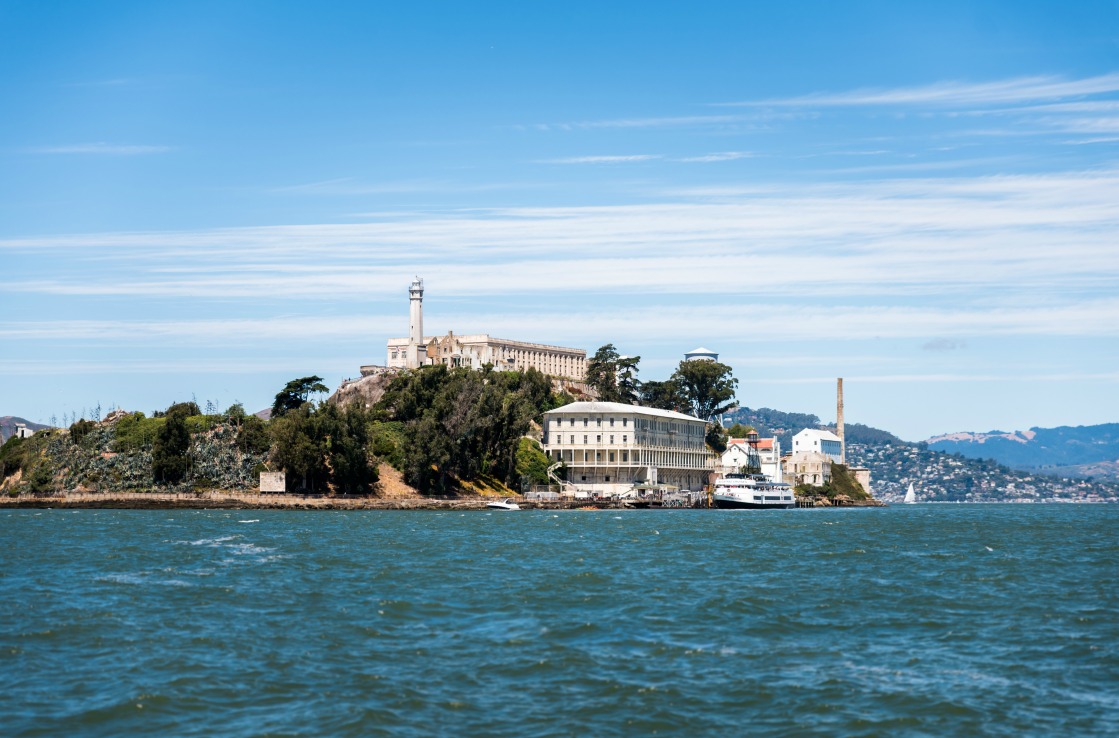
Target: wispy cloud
{"type": "Point", "coordinates": [722, 156]}
{"type": "Point", "coordinates": [101, 148]}
{"type": "Point", "coordinates": [1000, 92]}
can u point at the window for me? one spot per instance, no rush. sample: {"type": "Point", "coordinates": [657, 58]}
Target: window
{"type": "Point", "coordinates": [573, 422]}
{"type": "Point", "coordinates": [584, 422]}
{"type": "Point", "coordinates": [608, 478]}
{"type": "Point", "coordinates": [573, 439]}
{"type": "Point", "coordinates": [598, 439]}
{"type": "Point", "coordinates": [611, 455]}
{"type": "Point", "coordinates": [625, 456]}
{"type": "Point", "coordinates": [598, 422]}
{"type": "Point", "coordinates": [625, 439]}
{"type": "Point", "coordinates": [611, 439]}
{"type": "Point", "coordinates": [625, 422]}
{"type": "Point", "coordinates": [584, 439]}
{"type": "Point", "coordinates": [559, 421]}
{"type": "Point", "coordinates": [611, 422]}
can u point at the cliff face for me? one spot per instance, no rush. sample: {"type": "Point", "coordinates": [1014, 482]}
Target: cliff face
{"type": "Point", "coordinates": [366, 390]}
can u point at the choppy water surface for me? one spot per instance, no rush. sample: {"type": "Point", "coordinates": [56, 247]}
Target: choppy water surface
{"type": "Point", "coordinates": [910, 620]}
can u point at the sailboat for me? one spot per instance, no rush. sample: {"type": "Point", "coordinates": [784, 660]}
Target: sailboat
{"type": "Point", "coordinates": [910, 495]}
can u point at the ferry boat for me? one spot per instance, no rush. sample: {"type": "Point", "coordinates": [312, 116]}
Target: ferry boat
{"type": "Point", "coordinates": [752, 491]}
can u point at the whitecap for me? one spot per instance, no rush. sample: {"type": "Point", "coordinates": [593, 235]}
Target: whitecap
{"type": "Point", "coordinates": [248, 521]}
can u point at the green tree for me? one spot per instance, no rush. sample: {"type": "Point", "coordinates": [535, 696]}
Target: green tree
{"type": "Point", "coordinates": [460, 424]}
{"type": "Point", "coordinates": [532, 463]}
{"type": "Point", "coordinates": [740, 431]}
{"type": "Point", "coordinates": [171, 447]}
{"type": "Point", "coordinates": [613, 376]}
{"type": "Point", "coordinates": [295, 393]}
{"type": "Point", "coordinates": [662, 395]}
{"type": "Point", "coordinates": [252, 436]}
{"type": "Point", "coordinates": [716, 438]}
{"type": "Point", "coordinates": [296, 450]}
{"type": "Point", "coordinates": [80, 429]}
{"type": "Point", "coordinates": [707, 387]}
{"type": "Point", "coordinates": [346, 444]}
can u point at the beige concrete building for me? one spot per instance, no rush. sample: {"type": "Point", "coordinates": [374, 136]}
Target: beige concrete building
{"type": "Point", "coordinates": [476, 350]}
{"type": "Point", "coordinates": [808, 467]}
{"type": "Point", "coordinates": [608, 447]}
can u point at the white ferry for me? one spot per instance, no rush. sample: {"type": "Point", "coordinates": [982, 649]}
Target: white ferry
{"type": "Point", "coordinates": [752, 491]}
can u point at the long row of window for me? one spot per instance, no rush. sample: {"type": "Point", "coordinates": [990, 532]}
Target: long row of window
{"type": "Point", "coordinates": [587, 421]}
{"type": "Point", "coordinates": [586, 439]}
{"type": "Point", "coordinates": [672, 459]}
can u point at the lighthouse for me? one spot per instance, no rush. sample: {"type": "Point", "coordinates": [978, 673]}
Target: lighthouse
{"type": "Point", "coordinates": [417, 352]}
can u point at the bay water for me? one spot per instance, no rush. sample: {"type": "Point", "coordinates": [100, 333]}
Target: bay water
{"type": "Point", "coordinates": [906, 620]}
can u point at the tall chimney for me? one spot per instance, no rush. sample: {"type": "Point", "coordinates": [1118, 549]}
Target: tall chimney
{"type": "Point", "coordinates": [839, 420]}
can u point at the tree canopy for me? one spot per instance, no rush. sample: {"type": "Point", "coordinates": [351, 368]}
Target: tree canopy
{"type": "Point", "coordinates": [707, 387]}
{"type": "Point", "coordinates": [171, 446]}
{"type": "Point", "coordinates": [613, 376]}
{"type": "Point", "coordinates": [662, 395]}
{"type": "Point", "coordinates": [295, 393]}
{"type": "Point", "coordinates": [461, 424]}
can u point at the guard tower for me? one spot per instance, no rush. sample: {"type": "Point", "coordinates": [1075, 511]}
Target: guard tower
{"type": "Point", "coordinates": [417, 352]}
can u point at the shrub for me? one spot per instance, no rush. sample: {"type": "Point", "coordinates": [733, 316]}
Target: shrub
{"type": "Point", "coordinates": [253, 436]}
{"type": "Point", "coordinates": [171, 448]}
{"type": "Point", "coordinates": [134, 432]}
{"type": "Point", "coordinates": [80, 429]}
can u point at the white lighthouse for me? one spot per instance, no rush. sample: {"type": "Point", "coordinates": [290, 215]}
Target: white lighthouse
{"type": "Point", "coordinates": [417, 352]}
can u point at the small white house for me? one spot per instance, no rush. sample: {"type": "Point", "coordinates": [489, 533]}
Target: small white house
{"type": "Point", "coordinates": [823, 442]}
{"type": "Point", "coordinates": [739, 451]}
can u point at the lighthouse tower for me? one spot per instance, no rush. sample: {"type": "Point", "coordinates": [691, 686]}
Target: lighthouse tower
{"type": "Point", "coordinates": [417, 352]}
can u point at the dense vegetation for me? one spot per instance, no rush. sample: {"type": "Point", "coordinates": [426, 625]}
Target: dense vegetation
{"type": "Point", "coordinates": [440, 427]}
{"type": "Point", "coordinates": [461, 424]}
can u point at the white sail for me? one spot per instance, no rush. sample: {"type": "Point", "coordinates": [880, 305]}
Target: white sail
{"type": "Point", "coordinates": [910, 495]}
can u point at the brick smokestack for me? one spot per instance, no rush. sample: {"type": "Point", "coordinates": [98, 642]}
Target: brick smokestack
{"type": "Point", "coordinates": [839, 420]}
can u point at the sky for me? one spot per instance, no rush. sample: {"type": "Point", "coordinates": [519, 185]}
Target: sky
{"type": "Point", "coordinates": [208, 199]}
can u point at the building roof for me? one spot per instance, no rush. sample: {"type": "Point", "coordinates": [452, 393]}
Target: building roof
{"type": "Point", "coordinates": [701, 351]}
{"type": "Point", "coordinates": [823, 435]}
{"type": "Point", "coordinates": [621, 408]}
{"type": "Point", "coordinates": [765, 443]}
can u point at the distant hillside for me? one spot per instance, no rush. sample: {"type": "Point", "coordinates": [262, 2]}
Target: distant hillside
{"type": "Point", "coordinates": [942, 477]}
{"type": "Point", "coordinates": [784, 426]}
{"type": "Point", "coordinates": [942, 474]}
{"type": "Point", "coordinates": [8, 425]}
{"type": "Point", "coordinates": [1082, 451]}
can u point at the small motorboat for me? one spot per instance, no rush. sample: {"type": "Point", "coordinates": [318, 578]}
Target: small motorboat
{"type": "Point", "coordinates": [503, 505]}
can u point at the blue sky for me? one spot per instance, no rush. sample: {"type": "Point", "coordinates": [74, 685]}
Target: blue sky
{"type": "Point", "coordinates": [209, 199]}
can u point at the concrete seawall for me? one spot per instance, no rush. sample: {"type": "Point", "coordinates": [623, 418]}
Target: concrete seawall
{"type": "Point", "coordinates": [229, 500]}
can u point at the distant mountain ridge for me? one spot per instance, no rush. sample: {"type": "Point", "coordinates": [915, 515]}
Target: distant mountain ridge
{"type": "Point", "coordinates": [1083, 451]}
{"type": "Point", "coordinates": [782, 425]}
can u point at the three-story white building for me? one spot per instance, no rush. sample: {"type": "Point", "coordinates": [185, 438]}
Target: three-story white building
{"type": "Point", "coordinates": [608, 447]}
